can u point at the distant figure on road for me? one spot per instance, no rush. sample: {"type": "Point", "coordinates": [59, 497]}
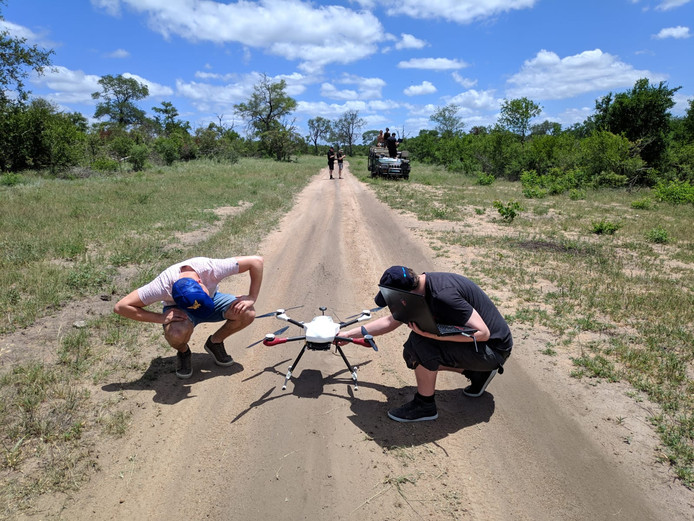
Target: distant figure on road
{"type": "Point", "coordinates": [188, 292]}
{"type": "Point", "coordinates": [331, 161]}
{"type": "Point", "coordinates": [340, 162]}
{"type": "Point", "coordinates": [455, 300]}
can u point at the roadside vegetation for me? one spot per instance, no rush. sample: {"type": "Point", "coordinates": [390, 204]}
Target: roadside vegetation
{"type": "Point", "coordinates": [609, 273]}
{"type": "Point", "coordinates": [66, 244]}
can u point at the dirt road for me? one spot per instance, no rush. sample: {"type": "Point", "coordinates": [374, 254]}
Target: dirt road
{"type": "Point", "coordinates": [230, 444]}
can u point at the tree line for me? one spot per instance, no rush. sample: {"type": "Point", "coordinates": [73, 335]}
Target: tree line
{"type": "Point", "coordinates": [631, 139]}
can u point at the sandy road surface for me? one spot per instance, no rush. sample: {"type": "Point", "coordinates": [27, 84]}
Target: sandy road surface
{"type": "Point", "coordinates": [230, 444]}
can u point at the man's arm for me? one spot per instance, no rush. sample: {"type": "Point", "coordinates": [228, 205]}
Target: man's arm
{"type": "Point", "coordinates": [253, 264]}
{"type": "Point", "coordinates": [132, 307]}
{"type": "Point", "coordinates": [380, 326]}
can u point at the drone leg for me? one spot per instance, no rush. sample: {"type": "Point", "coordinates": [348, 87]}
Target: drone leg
{"type": "Point", "coordinates": [291, 367]}
{"type": "Point", "coordinates": [352, 369]}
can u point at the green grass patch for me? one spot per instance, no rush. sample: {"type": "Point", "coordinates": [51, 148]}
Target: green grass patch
{"type": "Point", "coordinates": [634, 291]}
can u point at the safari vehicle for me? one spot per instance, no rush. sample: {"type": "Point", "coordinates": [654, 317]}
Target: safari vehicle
{"type": "Point", "coordinates": [382, 165]}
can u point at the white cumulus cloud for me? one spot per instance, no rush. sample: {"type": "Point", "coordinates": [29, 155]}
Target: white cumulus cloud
{"type": "Point", "coordinates": [673, 32]}
{"type": "Point", "coordinates": [436, 64]}
{"type": "Point", "coordinates": [425, 87]}
{"type": "Point", "coordinates": [547, 76]}
{"type": "Point", "coordinates": [314, 35]}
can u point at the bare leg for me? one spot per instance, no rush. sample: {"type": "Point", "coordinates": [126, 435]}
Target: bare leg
{"type": "Point", "coordinates": [234, 323]}
{"type": "Point", "coordinates": [177, 334]}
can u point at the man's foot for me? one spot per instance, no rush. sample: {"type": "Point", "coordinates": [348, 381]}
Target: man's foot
{"type": "Point", "coordinates": [479, 380]}
{"type": "Point", "coordinates": [184, 368]}
{"type": "Point", "coordinates": [218, 353]}
{"type": "Point", "coordinates": [414, 411]}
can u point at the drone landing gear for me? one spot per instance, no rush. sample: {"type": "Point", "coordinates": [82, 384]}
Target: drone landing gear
{"type": "Point", "coordinates": [321, 347]}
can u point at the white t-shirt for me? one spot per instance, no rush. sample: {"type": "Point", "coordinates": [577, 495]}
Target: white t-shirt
{"type": "Point", "coordinates": [211, 272]}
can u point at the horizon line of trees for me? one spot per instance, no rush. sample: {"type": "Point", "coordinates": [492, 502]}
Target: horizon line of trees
{"type": "Point", "coordinates": [631, 139]}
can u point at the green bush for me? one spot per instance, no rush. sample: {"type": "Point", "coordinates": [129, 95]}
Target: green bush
{"type": "Point", "coordinates": [11, 179]}
{"type": "Point", "coordinates": [605, 227]}
{"type": "Point", "coordinates": [485, 179]}
{"type": "Point", "coordinates": [138, 157]}
{"type": "Point", "coordinates": [675, 192]}
{"type": "Point", "coordinates": [642, 204]}
{"type": "Point", "coordinates": [508, 211]}
{"type": "Point", "coordinates": [658, 235]}
{"type": "Point", "coordinates": [105, 164]}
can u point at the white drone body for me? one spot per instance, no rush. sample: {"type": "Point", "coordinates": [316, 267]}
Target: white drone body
{"type": "Point", "coordinates": [320, 334]}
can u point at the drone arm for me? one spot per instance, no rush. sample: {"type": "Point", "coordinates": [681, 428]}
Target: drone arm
{"type": "Point", "coordinates": [359, 341]}
{"type": "Point", "coordinates": [276, 341]}
{"type": "Point", "coordinates": [283, 316]}
{"type": "Point", "coordinates": [364, 316]}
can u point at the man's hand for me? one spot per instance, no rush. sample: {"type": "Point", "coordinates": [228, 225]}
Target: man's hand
{"type": "Point", "coordinates": [175, 315]}
{"type": "Point", "coordinates": [242, 304]}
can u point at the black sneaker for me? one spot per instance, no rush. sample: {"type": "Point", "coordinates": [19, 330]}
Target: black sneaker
{"type": "Point", "coordinates": [184, 369]}
{"type": "Point", "coordinates": [218, 353]}
{"type": "Point", "coordinates": [414, 411]}
{"type": "Point", "coordinates": [479, 380]}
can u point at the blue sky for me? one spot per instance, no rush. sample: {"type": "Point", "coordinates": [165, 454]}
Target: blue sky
{"type": "Point", "coordinates": [394, 61]}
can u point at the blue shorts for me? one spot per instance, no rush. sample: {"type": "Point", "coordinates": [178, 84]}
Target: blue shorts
{"type": "Point", "coordinates": [222, 302]}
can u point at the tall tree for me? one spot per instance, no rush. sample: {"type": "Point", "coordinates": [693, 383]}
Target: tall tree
{"type": "Point", "coordinates": [641, 115]}
{"type": "Point", "coordinates": [265, 113]}
{"type": "Point", "coordinates": [347, 128]}
{"type": "Point", "coordinates": [16, 60]}
{"type": "Point", "coordinates": [166, 119]}
{"type": "Point", "coordinates": [318, 129]}
{"type": "Point", "coordinates": [267, 107]}
{"type": "Point", "coordinates": [119, 95]}
{"type": "Point", "coordinates": [516, 115]}
{"type": "Point", "coordinates": [448, 123]}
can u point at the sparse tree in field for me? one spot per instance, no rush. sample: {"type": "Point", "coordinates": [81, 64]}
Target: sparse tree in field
{"type": "Point", "coordinates": [265, 113]}
{"type": "Point", "coordinates": [16, 60]}
{"type": "Point", "coordinates": [347, 128]}
{"type": "Point", "coordinates": [516, 115]}
{"type": "Point", "coordinates": [319, 129]}
{"type": "Point", "coordinates": [448, 123]}
{"type": "Point", "coordinates": [119, 95]}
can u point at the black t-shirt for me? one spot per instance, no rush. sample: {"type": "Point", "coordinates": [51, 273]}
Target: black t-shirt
{"type": "Point", "coordinates": [452, 297]}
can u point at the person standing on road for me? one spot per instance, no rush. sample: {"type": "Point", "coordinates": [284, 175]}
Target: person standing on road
{"type": "Point", "coordinates": [452, 299]}
{"type": "Point", "coordinates": [188, 292]}
{"type": "Point", "coordinates": [331, 161]}
{"type": "Point", "coordinates": [340, 162]}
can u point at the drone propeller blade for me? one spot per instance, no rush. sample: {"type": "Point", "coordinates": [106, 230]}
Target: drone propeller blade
{"type": "Point", "coordinates": [369, 338]}
{"type": "Point", "coordinates": [278, 312]}
{"type": "Point", "coordinates": [372, 310]}
{"type": "Point", "coordinates": [278, 332]}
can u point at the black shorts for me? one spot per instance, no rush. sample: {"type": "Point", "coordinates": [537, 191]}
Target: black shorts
{"type": "Point", "coordinates": [434, 353]}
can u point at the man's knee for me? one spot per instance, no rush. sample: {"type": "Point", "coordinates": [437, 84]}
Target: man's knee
{"type": "Point", "coordinates": [178, 333]}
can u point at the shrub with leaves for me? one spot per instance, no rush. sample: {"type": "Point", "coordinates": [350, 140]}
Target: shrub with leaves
{"type": "Point", "coordinates": [508, 211]}
{"type": "Point", "coordinates": [675, 192]}
{"type": "Point", "coordinates": [658, 235]}
{"type": "Point", "coordinates": [605, 227]}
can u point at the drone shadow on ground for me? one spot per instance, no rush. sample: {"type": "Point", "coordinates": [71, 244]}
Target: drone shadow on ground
{"type": "Point", "coordinates": [456, 411]}
{"type": "Point", "coordinates": [168, 389]}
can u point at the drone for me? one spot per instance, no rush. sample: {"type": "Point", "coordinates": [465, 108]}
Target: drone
{"type": "Point", "coordinates": [321, 333]}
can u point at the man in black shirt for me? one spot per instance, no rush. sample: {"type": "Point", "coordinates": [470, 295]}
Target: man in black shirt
{"type": "Point", "coordinates": [392, 144]}
{"type": "Point", "coordinates": [452, 299]}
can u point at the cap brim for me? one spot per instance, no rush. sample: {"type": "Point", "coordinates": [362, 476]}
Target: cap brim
{"type": "Point", "coordinates": [379, 300]}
